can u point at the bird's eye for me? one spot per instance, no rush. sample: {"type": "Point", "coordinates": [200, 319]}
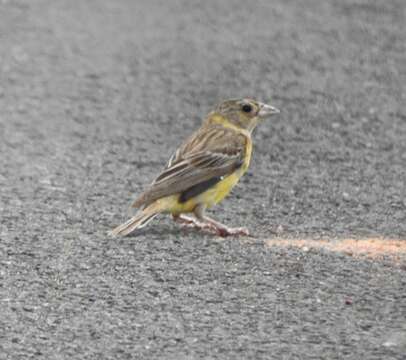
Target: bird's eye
{"type": "Point", "coordinates": [247, 108]}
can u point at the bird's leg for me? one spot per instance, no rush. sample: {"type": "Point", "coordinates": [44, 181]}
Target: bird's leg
{"type": "Point", "coordinates": [223, 230]}
{"type": "Point", "coordinates": [219, 228]}
{"type": "Point", "coordinates": [187, 220]}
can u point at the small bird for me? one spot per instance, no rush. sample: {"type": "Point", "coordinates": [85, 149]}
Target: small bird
{"type": "Point", "coordinates": [203, 170]}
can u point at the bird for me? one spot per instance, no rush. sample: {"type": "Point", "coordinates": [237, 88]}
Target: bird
{"type": "Point", "coordinates": [203, 170]}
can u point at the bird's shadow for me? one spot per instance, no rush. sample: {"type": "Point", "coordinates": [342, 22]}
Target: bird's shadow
{"type": "Point", "coordinates": [164, 232]}
{"type": "Point", "coordinates": [157, 230]}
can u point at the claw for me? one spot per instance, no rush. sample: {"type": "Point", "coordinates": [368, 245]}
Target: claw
{"type": "Point", "coordinates": [226, 231]}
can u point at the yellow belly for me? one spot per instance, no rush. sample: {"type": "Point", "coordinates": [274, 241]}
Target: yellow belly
{"type": "Point", "coordinates": [209, 198]}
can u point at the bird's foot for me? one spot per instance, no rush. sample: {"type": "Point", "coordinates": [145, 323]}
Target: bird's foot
{"type": "Point", "coordinates": [210, 226]}
{"type": "Point", "coordinates": [225, 231]}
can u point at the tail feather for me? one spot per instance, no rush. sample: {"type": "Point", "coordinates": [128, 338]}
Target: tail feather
{"type": "Point", "coordinates": [136, 222]}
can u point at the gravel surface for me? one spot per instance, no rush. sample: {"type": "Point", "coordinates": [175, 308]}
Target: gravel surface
{"type": "Point", "coordinates": [95, 95]}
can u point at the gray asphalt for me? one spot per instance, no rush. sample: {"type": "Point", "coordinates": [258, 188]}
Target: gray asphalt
{"type": "Point", "coordinates": [95, 95]}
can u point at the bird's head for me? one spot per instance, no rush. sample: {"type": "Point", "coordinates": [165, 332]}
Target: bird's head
{"type": "Point", "coordinates": [244, 113]}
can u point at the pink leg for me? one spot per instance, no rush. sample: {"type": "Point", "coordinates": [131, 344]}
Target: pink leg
{"type": "Point", "coordinates": [188, 221]}
{"type": "Point", "coordinates": [219, 228]}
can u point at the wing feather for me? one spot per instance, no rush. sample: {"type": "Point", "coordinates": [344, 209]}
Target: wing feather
{"type": "Point", "coordinates": [210, 156]}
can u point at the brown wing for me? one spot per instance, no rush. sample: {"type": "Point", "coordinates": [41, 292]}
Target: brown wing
{"type": "Point", "coordinates": [213, 151]}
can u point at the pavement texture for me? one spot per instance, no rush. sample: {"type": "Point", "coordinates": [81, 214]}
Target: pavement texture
{"type": "Point", "coordinates": [95, 96]}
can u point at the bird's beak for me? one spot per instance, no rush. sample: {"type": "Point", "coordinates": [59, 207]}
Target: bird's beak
{"type": "Point", "coordinates": [267, 110]}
